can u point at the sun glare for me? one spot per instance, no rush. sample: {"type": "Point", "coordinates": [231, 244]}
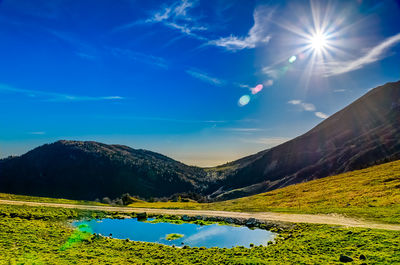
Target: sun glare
{"type": "Point", "coordinates": [318, 41]}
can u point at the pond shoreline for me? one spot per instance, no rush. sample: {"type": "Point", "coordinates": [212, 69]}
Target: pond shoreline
{"type": "Point", "coordinates": [180, 231]}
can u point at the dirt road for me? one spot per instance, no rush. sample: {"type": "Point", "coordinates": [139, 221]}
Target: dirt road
{"type": "Point", "coordinates": [263, 216]}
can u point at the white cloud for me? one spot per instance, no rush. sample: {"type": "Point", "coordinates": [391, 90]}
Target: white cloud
{"type": "Point", "coordinates": [257, 34]}
{"type": "Point", "coordinates": [175, 16]}
{"type": "Point", "coordinates": [245, 130]}
{"type": "Point", "coordinates": [267, 141]}
{"type": "Point", "coordinates": [374, 54]}
{"type": "Point", "coordinates": [271, 72]}
{"type": "Point", "coordinates": [205, 77]}
{"type": "Point", "coordinates": [205, 232]}
{"type": "Point", "coordinates": [181, 9]}
{"type": "Point", "coordinates": [339, 90]}
{"type": "Point", "coordinates": [321, 115]}
{"type": "Point", "coordinates": [305, 106]}
{"type": "Point", "coordinates": [50, 96]}
{"type": "Point", "coordinates": [37, 133]}
{"type": "Point", "coordinates": [294, 102]}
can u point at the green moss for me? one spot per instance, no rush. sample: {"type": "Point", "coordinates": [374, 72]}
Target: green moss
{"type": "Point", "coordinates": [39, 241]}
{"type": "Point", "coordinates": [171, 237]}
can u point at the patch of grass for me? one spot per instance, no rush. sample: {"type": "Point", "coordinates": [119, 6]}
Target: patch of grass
{"type": "Point", "coordinates": [39, 241]}
{"type": "Point", "coordinates": [14, 197]}
{"type": "Point", "coordinates": [371, 193]}
{"type": "Point", "coordinates": [171, 237]}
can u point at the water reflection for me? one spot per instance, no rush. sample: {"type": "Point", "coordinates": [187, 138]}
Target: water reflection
{"type": "Point", "coordinates": [193, 235]}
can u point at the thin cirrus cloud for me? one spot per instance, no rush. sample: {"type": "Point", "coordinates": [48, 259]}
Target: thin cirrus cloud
{"type": "Point", "coordinates": [37, 133]}
{"type": "Point", "coordinates": [308, 107]}
{"type": "Point", "coordinates": [267, 141]}
{"type": "Point", "coordinates": [258, 34]}
{"type": "Point", "coordinates": [205, 77]}
{"type": "Point", "coordinates": [244, 130]}
{"type": "Point", "coordinates": [89, 52]}
{"type": "Point", "coordinates": [303, 105]}
{"type": "Point", "coordinates": [54, 97]}
{"type": "Point", "coordinates": [175, 16]}
{"type": "Point", "coordinates": [374, 54]}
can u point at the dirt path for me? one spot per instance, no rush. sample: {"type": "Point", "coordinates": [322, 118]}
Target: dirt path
{"type": "Point", "coordinates": [264, 216]}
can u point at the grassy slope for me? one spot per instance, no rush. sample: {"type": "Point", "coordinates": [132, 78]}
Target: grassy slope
{"type": "Point", "coordinates": [14, 197]}
{"type": "Point", "coordinates": [371, 193]}
{"type": "Point", "coordinates": [38, 235]}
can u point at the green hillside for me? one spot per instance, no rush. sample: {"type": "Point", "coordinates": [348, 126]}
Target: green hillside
{"type": "Point", "coordinates": [371, 193]}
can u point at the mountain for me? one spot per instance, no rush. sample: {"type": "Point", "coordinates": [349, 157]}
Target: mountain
{"type": "Point", "coordinates": [364, 133]}
{"type": "Point", "coordinates": [90, 170]}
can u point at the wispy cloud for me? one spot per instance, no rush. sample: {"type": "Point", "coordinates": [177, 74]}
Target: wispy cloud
{"type": "Point", "coordinates": [37, 133]}
{"type": "Point", "coordinates": [271, 72]}
{"type": "Point", "coordinates": [321, 115]}
{"type": "Point", "coordinates": [83, 49]}
{"type": "Point", "coordinates": [86, 55]}
{"type": "Point", "coordinates": [50, 96]}
{"type": "Point", "coordinates": [303, 105]}
{"type": "Point", "coordinates": [339, 90]}
{"type": "Point", "coordinates": [205, 77]}
{"type": "Point", "coordinates": [140, 57]}
{"type": "Point", "coordinates": [205, 233]}
{"type": "Point", "coordinates": [308, 107]}
{"type": "Point", "coordinates": [374, 54]}
{"type": "Point", "coordinates": [245, 130]}
{"type": "Point", "coordinates": [267, 141]}
{"type": "Point", "coordinates": [258, 34]}
{"type": "Point", "coordinates": [175, 16]}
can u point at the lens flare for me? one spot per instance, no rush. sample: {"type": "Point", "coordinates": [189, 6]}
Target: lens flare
{"type": "Point", "coordinates": [256, 89]}
{"type": "Point", "coordinates": [292, 59]}
{"type": "Point", "coordinates": [244, 100]}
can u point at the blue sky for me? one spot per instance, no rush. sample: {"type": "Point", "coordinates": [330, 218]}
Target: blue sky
{"type": "Point", "coordinates": [179, 77]}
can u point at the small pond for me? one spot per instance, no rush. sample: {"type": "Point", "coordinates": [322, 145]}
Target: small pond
{"type": "Point", "coordinates": [192, 235]}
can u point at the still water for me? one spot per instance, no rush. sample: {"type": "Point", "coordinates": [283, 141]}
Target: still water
{"type": "Point", "coordinates": [193, 235]}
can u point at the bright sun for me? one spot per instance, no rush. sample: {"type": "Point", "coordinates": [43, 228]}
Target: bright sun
{"type": "Point", "coordinates": [318, 41]}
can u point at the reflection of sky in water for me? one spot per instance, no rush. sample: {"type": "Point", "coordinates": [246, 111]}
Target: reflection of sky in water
{"type": "Point", "coordinates": [194, 235]}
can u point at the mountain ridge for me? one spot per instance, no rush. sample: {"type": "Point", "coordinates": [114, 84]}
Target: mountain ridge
{"type": "Point", "coordinates": [362, 134]}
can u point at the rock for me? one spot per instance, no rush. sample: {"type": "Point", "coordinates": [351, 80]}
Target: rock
{"type": "Point", "coordinates": [362, 257]}
{"type": "Point", "coordinates": [344, 258]}
{"type": "Point", "coordinates": [229, 220]}
{"type": "Point", "coordinates": [251, 222]}
{"type": "Point", "coordinates": [141, 216]}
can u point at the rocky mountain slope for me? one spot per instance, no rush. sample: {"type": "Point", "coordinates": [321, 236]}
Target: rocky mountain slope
{"type": "Point", "coordinates": [364, 133]}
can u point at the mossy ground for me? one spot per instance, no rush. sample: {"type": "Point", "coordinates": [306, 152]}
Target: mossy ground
{"type": "Point", "coordinates": [171, 237]}
{"type": "Point", "coordinates": [37, 235]}
{"type": "Point", "coordinates": [371, 193]}
{"type": "Point", "coordinates": [15, 197]}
